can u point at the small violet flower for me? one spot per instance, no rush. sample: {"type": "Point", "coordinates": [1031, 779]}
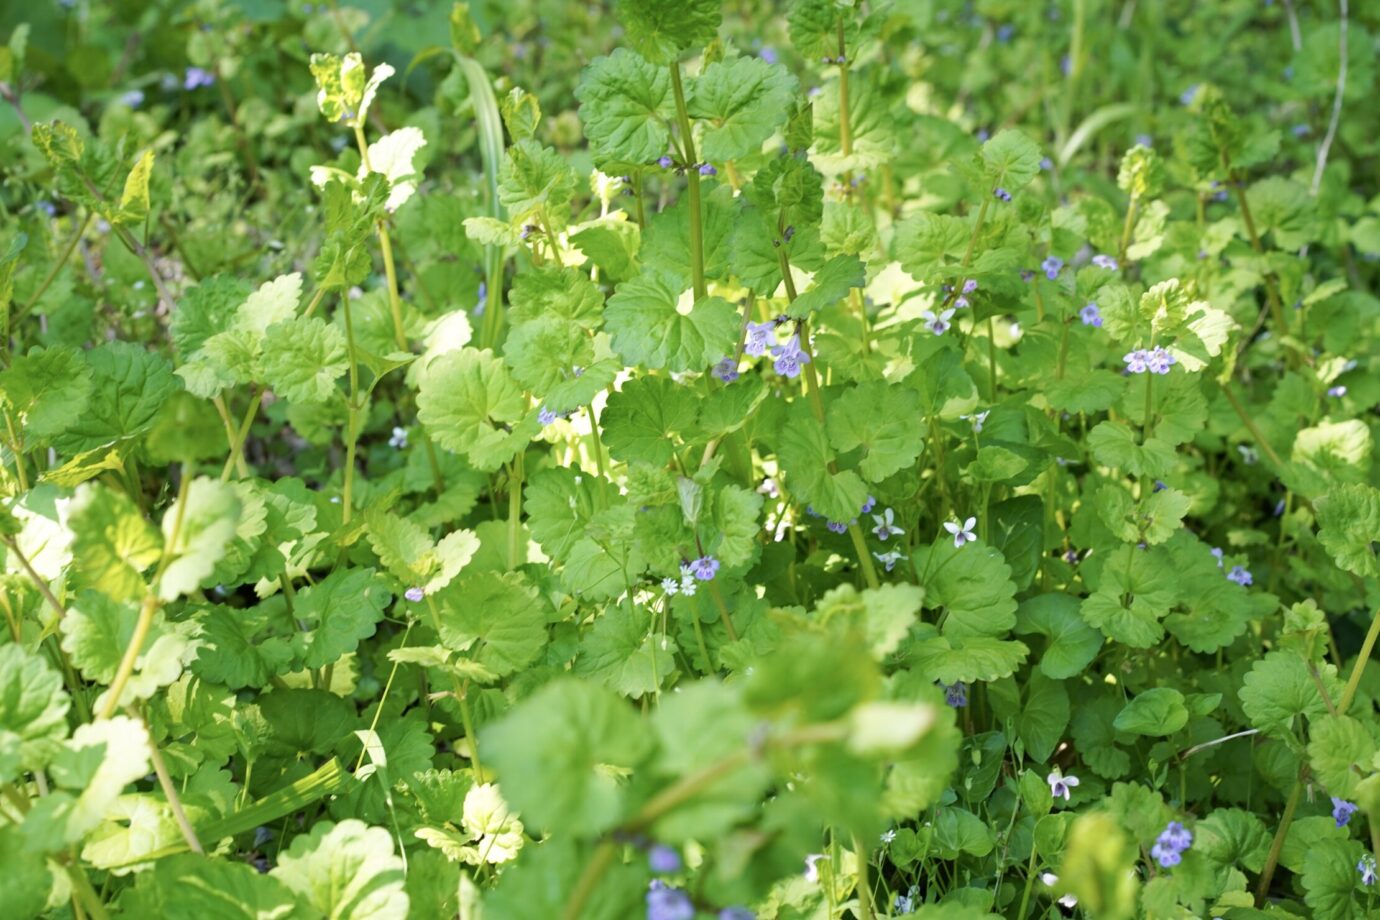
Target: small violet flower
{"type": "Point", "coordinates": [868, 505]}
{"type": "Point", "coordinates": [1217, 554]}
{"type": "Point", "coordinates": [937, 324]}
{"type": "Point", "coordinates": [415, 595]}
{"type": "Point", "coordinates": [399, 439]}
{"type": "Point", "coordinates": [1091, 316]}
{"type": "Point", "coordinates": [1336, 392]}
{"type": "Point", "coordinates": [726, 370]}
{"type": "Point", "coordinates": [1002, 194]}
{"type": "Point", "coordinates": [663, 859]}
{"type": "Point", "coordinates": [1051, 266]}
{"type": "Point", "coordinates": [546, 416]}
{"type": "Point", "coordinates": [664, 161]}
{"type": "Point", "coordinates": [705, 568]}
{"type": "Point", "coordinates": [1159, 360]}
{"type": "Point", "coordinates": [836, 527]}
{"type": "Point", "coordinates": [969, 286]}
{"type": "Point", "coordinates": [1241, 575]}
{"type": "Point", "coordinates": [195, 78]}
{"type": "Point", "coordinates": [708, 170]}
{"type": "Point", "coordinates": [1106, 262]}
{"type": "Point", "coordinates": [134, 98]}
{"type": "Point", "coordinates": [1342, 810]}
{"type": "Point", "coordinates": [904, 905]}
{"type": "Point", "coordinates": [977, 419]}
{"type": "Point", "coordinates": [1188, 95]}
{"type": "Point", "coordinates": [760, 337]}
{"type": "Point", "coordinates": [962, 533]}
{"type": "Point", "coordinates": [1061, 786]}
{"type": "Point", "coordinates": [1367, 869]}
{"type": "Point", "coordinates": [667, 903]}
{"type": "Point", "coordinates": [886, 525]}
{"type": "Point", "coordinates": [1171, 843]}
{"type": "Point", "coordinates": [736, 913]}
{"type": "Point", "coordinates": [1136, 361]}
{"type": "Point", "coordinates": [889, 559]}
{"type": "Point", "coordinates": [956, 694]}
{"type": "Point", "coordinates": [789, 358]}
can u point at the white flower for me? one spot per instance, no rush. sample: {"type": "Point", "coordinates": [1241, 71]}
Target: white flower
{"type": "Point", "coordinates": [811, 870]}
{"type": "Point", "coordinates": [937, 324]}
{"type": "Point", "coordinates": [1050, 880]}
{"type": "Point", "coordinates": [977, 418]}
{"type": "Point", "coordinates": [670, 585]}
{"type": "Point", "coordinates": [889, 836]}
{"type": "Point", "coordinates": [886, 525]}
{"type": "Point", "coordinates": [399, 439]}
{"type": "Point", "coordinates": [889, 559]}
{"type": "Point", "coordinates": [962, 533]}
{"type": "Point", "coordinates": [1061, 786]}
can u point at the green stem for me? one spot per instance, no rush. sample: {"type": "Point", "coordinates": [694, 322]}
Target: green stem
{"type": "Point", "coordinates": [1029, 883]}
{"type": "Point", "coordinates": [723, 611]}
{"type": "Point", "coordinates": [1251, 426]}
{"type": "Point", "coordinates": [351, 434]}
{"type": "Point", "coordinates": [461, 697]}
{"type": "Point", "coordinates": [599, 457]}
{"type": "Point", "coordinates": [170, 793]}
{"type": "Point", "coordinates": [1362, 657]}
{"type": "Point", "coordinates": [242, 435]}
{"type": "Point", "coordinates": [692, 178]}
{"type": "Point", "coordinates": [150, 605]}
{"type": "Point", "coordinates": [515, 476]}
{"type": "Point", "coordinates": [16, 446]}
{"type": "Point", "coordinates": [1127, 227]}
{"type": "Point", "coordinates": [1277, 846]}
{"type": "Point", "coordinates": [864, 886]}
{"type": "Point", "coordinates": [845, 121]}
{"type": "Point", "coordinates": [53, 272]}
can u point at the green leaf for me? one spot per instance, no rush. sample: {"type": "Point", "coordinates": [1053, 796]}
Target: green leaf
{"type": "Point", "coordinates": [556, 754]}
{"type": "Point", "coordinates": [93, 768]}
{"type": "Point", "coordinates": [740, 102]}
{"type": "Point", "coordinates": [134, 200]}
{"type": "Point", "coordinates": [1043, 716]}
{"type": "Point", "coordinates": [195, 887]}
{"type": "Point", "coordinates": [642, 421]}
{"type": "Point", "coordinates": [878, 418]}
{"type": "Point", "coordinates": [33, 712]}
{"type": "Point", "coordinates": [46, 391]}
{"type": "Point", "coordinates": [203, 527]}
{"type": "Point", "coordinates": [625, 654]}
{"type": "Point", "coordinates": [1348, 525]}
{"type": "Point", "coordinates": [467, 399]}
{"type": "Point", "coordinates": [1072, 645]}
{"type": "Point", "coordinates": [972, 584]}
{"type": "Point", "coordinates": [1157, 713]}
{"type": "Point", "coordinates": [337, 612]}
{"type": "Point", "coordinates": [97, 630]}
{"type": "Point", "coordinates": [831, 284]}
{"type": "Point", "coordinates": [1233, 837]}
{"type": "Point", "coordinates": [344, 871]}
{"type": "Point", "coordinates": [969, 659]}
{"type": "Point", "coordinates": [626, 108]}
{"type": "Point", "coordinates": [559, 503]}
{"type": "Point", "coordinates": [498, 620]}
{"type": "Point", "coordinates": [655, 321]}
{"type": "Point", "coordinates": [1116, 445]}
{"type": "Point", "coordinates": [1010, 160]}
{"type": "Point", "coordinates": [805, 455]}
{"type": "Point", "coordinates": [535, 183]}
{"type": "Point", "coordinates": [957, 830]}
{"type": "Point", "coordinates": [302, 359]}
{"type": "Point", "coordinates": [406, 550]}
{"type": "Point", "coordinates": [661, 31]}
{"type": "Point", "coordinates": [1135, 591]}
{"type": "Point", "coordinates": [1331, 881]}
{"type": "Point", "coordinates": [885, 615]}
{"type": "Point", "coordinates": [1337, 746]}
{"type": "Point", "coordinates": [1279, 689]}
{"type": "Point", "coordinates": [128, 387]}
{"type": "Point", "coordinates": [112, 543]}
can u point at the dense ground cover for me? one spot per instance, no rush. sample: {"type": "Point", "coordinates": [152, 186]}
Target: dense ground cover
{"type": "Point", "coordinates": [818, 459]}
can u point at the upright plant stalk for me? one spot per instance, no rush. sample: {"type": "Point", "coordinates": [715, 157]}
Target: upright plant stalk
{"type": "Point", "coordinates": [150, 605]}
{"type": "Point", "coordinates": [692, 178]}
{"type": "Point", "coordinates": [461, 696]}
{"type": "Point", "coordinates": [845, 126]}
{"type": "Point", "coordinates": [351, 429]}
{"type": "Point", "coordinates": [53, 272]}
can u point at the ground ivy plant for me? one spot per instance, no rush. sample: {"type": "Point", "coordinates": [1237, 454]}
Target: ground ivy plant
{"type": "Point", "coordinates": [807, 460]}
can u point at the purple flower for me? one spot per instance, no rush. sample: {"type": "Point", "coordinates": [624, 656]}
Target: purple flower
{"type": "Point", "coordinates": [889, 559]}
{"type": "Point", "coordinates": [760, 337]}
{"type": "Point", "coordinates": [969, 286]}
{"type": "Point", "coordinates": [736, 913]}
{"type": "Point", "coordinates": [1071, 557]}
{"type": "Point", "coordinates": [481, 299]}
{"type": "Point", "coordinates": [196, 78]}
{"type": "Point", "coordinates": [1136, 361]}
{"type": "Point", "coordinates": [1336, 392]}
{"type": "Point", "coordinates": [546, 416]}
{"type": "Point", "coordinates": [1171, 843]}
{"type": "Point", "coordinates": [1160, 486]}
{"type": "Point", "coordinates": [663, 859]}
{"type": "Point", "coordinates": [1188, 95]}
{"type": "Point", "coordinates": [962, 533]}
{"type": "Point", "coordinates": [868, 505]}
{"type": "Point", "coordinates": [704, 568]}
{"type": "Point", "coordinates": [977, 419]}
{"type": "Point", "coordinates": [1342, 810]}
{"type": "Point", "coordinates": [1066, 65]}
{"type": "Point", "coordinates": [1002, 194]}
{"type": "Point", "coordinates": [1159, 360]}
{"type": "Point", "coordinates": [1145, 140]}
{"type": "Point", "coordinates": [937, 324]}
{"type": "Point", "coordinates": [399, 439]}
{"type": "Point", "coordinates": [886, 525]}
{"type": "Point", "coordinates": [1300, 130]}
{"type": "Point", "coordinates": [1240, 575]}
{"type": "Point", "coordinates": [708, 170]}
{"type": "Point", "coordinates": [768, 54]}
{"type": "Point", "coordinates": [1061, 786]}
{"type": "Point", "coordinates": [836, 527]}
{"type": "Point", "coordinates": [134, 98]}
{"type": "Point", "coordinates": [664, 161]}
{"type": "Point", "coordinates": [1005, 32]}
{"type": "Point", "coordinates": [1217, 554]}
{"type": "Point", "coordinates": [726, 370]}
{"type": "Point", "coordinates": [983, 134]}
{"type": "Point", "coordinates": [1367, 869]}
{"type": "Point", "coordinates": [1046, 164]}
{"type": "Point", "coordinates": [1106, 262]}
{"type": "Point", "coordinates": [1091, 316]}
{"type": "Point", "coordinates": [666, 903]}
{"type": "Point", "coordinates": [1051, 266]}
{"type": "Point", "coordinates": [956, 695]}
{"type": "Point", "coordinates": [415, 595]}
{"type": "Point", "coordinates": [960, 302]}
{"type": "Point", "coordinates": [789, 358]}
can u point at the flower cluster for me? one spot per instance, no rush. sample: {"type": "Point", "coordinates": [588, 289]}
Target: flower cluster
{"type": "Point", "coordinates": [701, 569]}
{"type": "Point", "coordinates": [1171, 843]}
{"type": "Point", "coordinates": [1156, 360]}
